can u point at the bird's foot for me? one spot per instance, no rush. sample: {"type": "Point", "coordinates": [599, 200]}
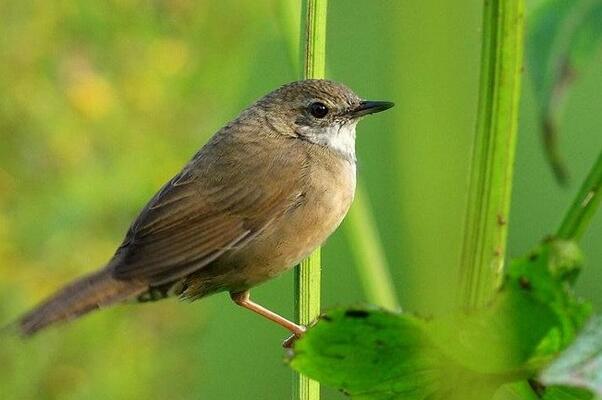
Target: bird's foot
{"type": "Point", "coordinates": [290, 341]}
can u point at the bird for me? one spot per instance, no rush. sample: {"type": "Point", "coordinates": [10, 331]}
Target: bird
{"type": "Point", "coordinates": [265, 191]}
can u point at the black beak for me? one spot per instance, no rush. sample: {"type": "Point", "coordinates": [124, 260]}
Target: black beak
{"type": "Point", "coordinates": [370, 107]}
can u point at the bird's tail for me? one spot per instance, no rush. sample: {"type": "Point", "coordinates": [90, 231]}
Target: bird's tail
{"type": "Point", "coordinates": [86, 294]}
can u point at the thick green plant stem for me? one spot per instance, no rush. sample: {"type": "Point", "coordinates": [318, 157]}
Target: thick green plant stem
{"type": "Point", "coordinates": [587, 201]}
{"type": "Point", "coordinates": [307, 276]}
{"type": "Point", "coordinates": [314, 38]}
{"type": "Point", "coordinates": [368, 253]}
{"type": "Point", "coordinates": [485, 230]}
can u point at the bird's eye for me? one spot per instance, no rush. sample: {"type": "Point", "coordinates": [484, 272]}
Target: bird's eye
{"type": "Point", "coordinates": [318, 110]}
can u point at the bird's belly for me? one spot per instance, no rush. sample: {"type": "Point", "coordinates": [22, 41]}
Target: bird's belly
{"type": "Point", "coordinates": [293, 239]}
{"type": "Point", "coordinates": [288, 239]}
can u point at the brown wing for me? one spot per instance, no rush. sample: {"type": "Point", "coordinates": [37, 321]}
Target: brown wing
{"type": "Point", "coordinates": [215, 205]}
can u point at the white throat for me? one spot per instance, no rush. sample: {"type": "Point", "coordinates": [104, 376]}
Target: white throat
{"type": "Point", "coordinates": [340, 138]}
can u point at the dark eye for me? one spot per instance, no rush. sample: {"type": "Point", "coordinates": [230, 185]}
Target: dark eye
{"type": "Point", "coordinates": [318, 110]}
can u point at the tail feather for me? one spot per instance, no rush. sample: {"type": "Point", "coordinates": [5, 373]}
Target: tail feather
{"type": "Point", "coordinates": [86, 294]}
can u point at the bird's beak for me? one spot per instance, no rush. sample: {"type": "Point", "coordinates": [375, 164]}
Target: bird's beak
{"type": "Point", "coordinates": [370, 107]}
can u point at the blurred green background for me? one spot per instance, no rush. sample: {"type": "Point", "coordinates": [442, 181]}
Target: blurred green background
{"type": "Point", "coordinates": [101, 102]}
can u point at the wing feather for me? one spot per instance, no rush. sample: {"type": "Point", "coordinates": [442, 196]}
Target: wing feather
{"type": "Point", "coordinates": [211, 207]}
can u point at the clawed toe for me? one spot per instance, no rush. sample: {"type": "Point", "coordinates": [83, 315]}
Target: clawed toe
{"type": "Point", "coordinates": [290, 341]}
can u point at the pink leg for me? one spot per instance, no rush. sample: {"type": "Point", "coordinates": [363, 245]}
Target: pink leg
{"type": "Point", "coordinates": [243, 300]}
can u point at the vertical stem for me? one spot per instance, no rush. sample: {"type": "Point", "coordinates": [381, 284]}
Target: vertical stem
{"type": "Point", "coordinates": [587, 201]}
{"type": "Point", "coordinates": [314, 38]}
{"type": "Point", "coordinates": [307, 275]}
{"type": "Point", "coordinates": [485, 230]}
{"type": "Point", "coordinates": [368, 253]}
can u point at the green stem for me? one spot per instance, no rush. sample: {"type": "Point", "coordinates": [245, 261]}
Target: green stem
{"type": "Point", "coordinates": [368, 253]}
{"type": "Point", "coordinates": [314, 38]}
{"type": "Point", "coordinates": [587, 201]}
{"type": "Point", "coordinates": [485, 230]}
{"type": "Point", "coordinates": [307, 276]}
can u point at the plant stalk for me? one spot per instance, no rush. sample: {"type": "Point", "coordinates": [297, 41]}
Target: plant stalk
{"type": "Point", "coordinates": [369, 255]}
{"type": "Point", "coordinates": [485, 229]}
{"type": "Point", "coordinates": [583, 208]}
{"type": "Point", "coordinates": [308, 273]}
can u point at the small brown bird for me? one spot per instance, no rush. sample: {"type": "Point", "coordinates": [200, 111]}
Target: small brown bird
{"type": "Point", "coordinates": [265, 191]}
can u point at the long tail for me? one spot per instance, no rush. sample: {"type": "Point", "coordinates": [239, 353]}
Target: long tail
{"type": "Point", "coordinates": [86, 294]}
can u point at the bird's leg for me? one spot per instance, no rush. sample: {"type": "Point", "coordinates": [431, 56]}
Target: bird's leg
{"type": "Point", "coordinates": [243, 300]}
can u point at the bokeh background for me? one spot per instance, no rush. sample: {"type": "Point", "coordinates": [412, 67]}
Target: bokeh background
{"type": "Point", "coordinates": [101, 102]}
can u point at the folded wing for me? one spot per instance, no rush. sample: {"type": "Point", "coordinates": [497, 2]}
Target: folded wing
{"type": "Point", "coordinates": [197, 217]}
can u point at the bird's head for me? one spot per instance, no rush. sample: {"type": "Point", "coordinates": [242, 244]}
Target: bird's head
{"type": "Point", "coordinates": [322, 112]}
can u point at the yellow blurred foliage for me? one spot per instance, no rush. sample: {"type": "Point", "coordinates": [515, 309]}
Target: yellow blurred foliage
{"type": "Point", "coordinates": [89, 92]}
{"type": "Point", "coordinates": [69, 148]}
{"type": "Point", "coordinates": [7, 183]}
{"type": "Point", "coordinates": [168, 55]}
{"type": "Point", "coordinates": [5, 243]}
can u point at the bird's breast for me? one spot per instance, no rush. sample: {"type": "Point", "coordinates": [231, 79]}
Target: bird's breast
{"type": "Point", "coordinates": [320, 206]}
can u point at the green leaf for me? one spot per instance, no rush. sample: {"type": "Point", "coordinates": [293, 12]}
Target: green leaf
{"type": "Point", "coordinates": [548, 273]}
{"type": "Point", "coordinates": [565, 393]}
{"type": "Point", "coordinates": [500, 339]}
{"type": "Point", "coordinates": [516, 391]}
{"type": "Point", "coordinates": [563, 38]}
{"type": "Point", "coordinates": [369, 352]}
{"type": "Point", "coordinates": [533, 316]}
{"type": "Point", "coordinates": [580, 365]}
{"type": "Point", "coordinates": [375, 354]}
